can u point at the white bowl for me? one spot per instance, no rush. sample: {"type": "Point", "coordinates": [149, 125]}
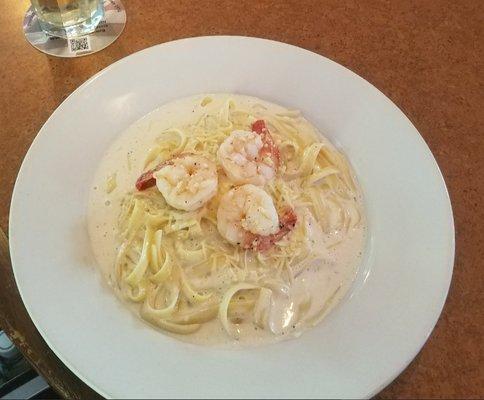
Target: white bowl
{"type": "Point", "coordinates": [364, 343]}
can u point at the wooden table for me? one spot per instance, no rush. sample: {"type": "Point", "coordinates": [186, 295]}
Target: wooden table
{"type": "Point", "coordinates": [427, 56]}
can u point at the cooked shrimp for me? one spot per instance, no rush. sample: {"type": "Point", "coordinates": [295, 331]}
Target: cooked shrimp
{"type": "Point", "coordinates": [287, 222]}
{"type": "Point", "coordinates": [247, 217]}
{"type": "Point", "coordinates": [186, 182]}
{"type": "Point", "coordinates": [250, 157]}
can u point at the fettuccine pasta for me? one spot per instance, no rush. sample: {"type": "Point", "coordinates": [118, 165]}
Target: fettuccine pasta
{"type": "Point", "coordinates": [237, 214]}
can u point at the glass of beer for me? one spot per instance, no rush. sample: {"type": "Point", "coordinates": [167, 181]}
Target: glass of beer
{"type": "Point", "coordinates": [68, 18]}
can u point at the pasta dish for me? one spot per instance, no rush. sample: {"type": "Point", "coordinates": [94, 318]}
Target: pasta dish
{"type": "Point", "coordinates": [226, 217]}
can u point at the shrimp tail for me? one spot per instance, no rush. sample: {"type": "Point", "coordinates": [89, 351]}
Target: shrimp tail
{"type": "Point", "coordinates": [147, 179]}
{"type": "Point", "coordinates": [259, 127]}
{"type": "Point", "coordinates": [270, 147]}
{"type": "Point", "coordinates": [288, 219]}
{"type": "Point", "coordinates": [287, 222]}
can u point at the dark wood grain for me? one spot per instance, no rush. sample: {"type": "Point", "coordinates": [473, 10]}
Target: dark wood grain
{"type": "Point", "coordinates": [425, 55]}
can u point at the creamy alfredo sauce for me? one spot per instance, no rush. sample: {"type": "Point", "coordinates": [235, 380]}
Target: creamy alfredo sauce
{"type": "Point", "coordinates": [326, 282]}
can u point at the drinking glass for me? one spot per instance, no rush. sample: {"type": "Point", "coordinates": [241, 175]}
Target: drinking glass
{"type": "Point", "coordinates": [68, 18]}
